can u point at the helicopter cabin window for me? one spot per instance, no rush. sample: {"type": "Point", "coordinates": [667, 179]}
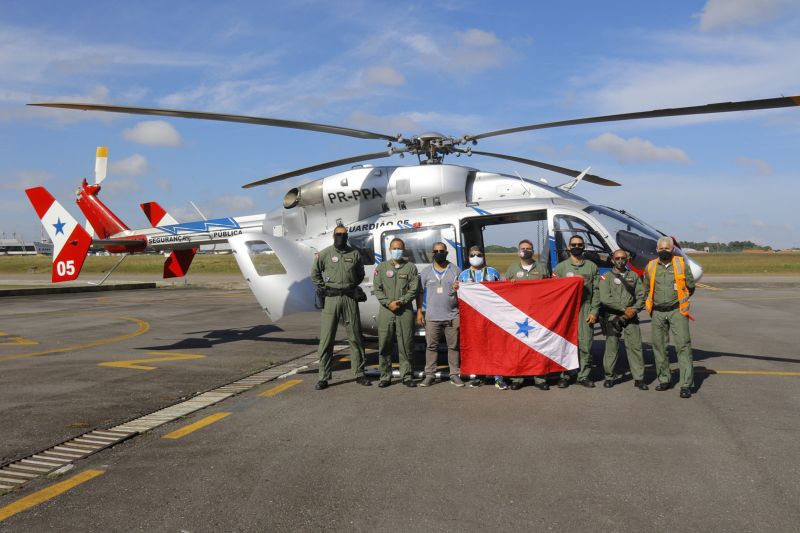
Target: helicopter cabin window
{"type": "Point", "coordinates": [565, 226]}
{"type": "Point", "coordinates": [264, 259]}
{"type": "Point", "coordinates": [364, 243]}
{"type": "Point", "coordinates": [419, 241]}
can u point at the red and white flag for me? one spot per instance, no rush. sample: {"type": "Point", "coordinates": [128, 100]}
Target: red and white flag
{"type": "Point", "coordinates": [521, 328]}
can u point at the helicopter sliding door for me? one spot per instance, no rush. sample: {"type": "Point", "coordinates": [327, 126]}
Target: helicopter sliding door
{"type": "Point", "coordinates": [419, 243]}
{"type": "Point", "coordinates": [500, 234]}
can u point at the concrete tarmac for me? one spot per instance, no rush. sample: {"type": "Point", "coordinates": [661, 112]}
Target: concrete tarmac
{"type": "Point", "coordinates": [357, 458]}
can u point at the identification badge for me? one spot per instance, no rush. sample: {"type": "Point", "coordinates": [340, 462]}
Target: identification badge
{"type": "Point", "coordinates": [389, 274]}
{"type": "Point", "coordinates": [617, 281]}
{"type": "Point", "coordinates": [520, 274]}
{"type": "Point", "coordinates": [570, 274]}
{"type": "Point", "coordinates": [335, 258]}
{"type": "Point", "coordinates": [439, 290]}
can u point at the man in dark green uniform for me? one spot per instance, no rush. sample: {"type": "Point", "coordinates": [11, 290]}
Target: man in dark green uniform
{"type": "Point", "coordinates": [666, 288]}
{"type": "Point", "coordinates": [527, 268]}
{"type": "Point", "coordinates": [621, 299]}
{"type": "Point", "coordinates": [336, 272]}
{"type": "Point", "coordinates": [576, 265]}
{"type": "Point", "coordinates": [396, 285]}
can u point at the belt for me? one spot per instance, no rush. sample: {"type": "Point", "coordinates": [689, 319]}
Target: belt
{"type": "Point", "coordinates": [666, 308]}
{"type": "Point", "coordinates": [338, 292]}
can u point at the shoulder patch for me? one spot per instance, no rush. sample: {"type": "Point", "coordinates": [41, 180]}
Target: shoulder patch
{"type": "Point", "coordinates": [603, 277]}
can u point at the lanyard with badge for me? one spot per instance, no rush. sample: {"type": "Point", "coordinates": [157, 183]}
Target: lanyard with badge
{"type": "Point", "coordinates": [439, 288]}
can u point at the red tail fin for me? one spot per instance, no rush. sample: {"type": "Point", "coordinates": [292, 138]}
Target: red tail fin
{"type": "Point", "coordinates": [178, 263]}
{"type": "Point", "coordinates": [70, 240]}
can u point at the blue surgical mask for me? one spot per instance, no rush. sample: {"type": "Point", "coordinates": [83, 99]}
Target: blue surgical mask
{"type": "Point", "coordinates": [397, 254]}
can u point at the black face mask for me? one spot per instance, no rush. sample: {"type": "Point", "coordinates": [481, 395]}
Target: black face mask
{"type": "Point", "coordinates": [526, 254]}
{"type": "Point", "coordinates": [621, 264]}
{"type": "Point", "coordinates": [664, 255]}
{"type": "Point", "coordinates": [340, 240]}
{"type": "Point", "coordinates": [440, 257]}
{"type": "Point", "coordinates": [577, 252]}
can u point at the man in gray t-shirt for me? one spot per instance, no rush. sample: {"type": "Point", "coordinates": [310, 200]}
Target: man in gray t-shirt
{"type": "Point", "coordinates": [440, 317]}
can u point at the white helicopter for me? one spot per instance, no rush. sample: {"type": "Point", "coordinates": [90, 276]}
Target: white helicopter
{"type": "Point", "coordinates": [425, 203]}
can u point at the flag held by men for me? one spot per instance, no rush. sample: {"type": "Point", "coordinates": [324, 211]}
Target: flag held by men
{"type": "Point", "coordinates": [520, 328]}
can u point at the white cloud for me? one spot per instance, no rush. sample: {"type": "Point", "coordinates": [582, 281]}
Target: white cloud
{"type": "Point", "coordinates": [23, 179]}
{"type": "Point", "coordinates": [727, 14]}
{"type": "Point", "coordinates": [383, 76]}
{"type": "Point", "coordinates": [135, 165]}
{"type": "Point", "coordinates": [689, 68]}
{"type": "Point", "coordinates": [153, 133]}
{"type": "Point", "coordinates": [761, 168]}
{"type": "Point", "coordinates": [635, 150]}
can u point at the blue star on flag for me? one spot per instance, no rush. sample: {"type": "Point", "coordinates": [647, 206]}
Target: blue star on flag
{"type": "Point", "coordinates": [524, 327]}
{"type": "Point", "coordinates": [59, 226]}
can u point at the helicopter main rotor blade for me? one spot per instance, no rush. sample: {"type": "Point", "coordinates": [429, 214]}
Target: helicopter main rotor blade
{"type": "Point", "coordinates": [321, 166]}
{"type": "Point", "coordinates": [277, 122]}
{"type": "Point", "coordinates": [591, 178]}
{"type": "Point", "coordinates": [722, 107]}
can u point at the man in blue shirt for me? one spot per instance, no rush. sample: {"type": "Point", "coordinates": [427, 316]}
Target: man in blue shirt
{"type": "Point", "coordinates": [479, 272]}
{"type": "Point", "coordinates": [440, 318]}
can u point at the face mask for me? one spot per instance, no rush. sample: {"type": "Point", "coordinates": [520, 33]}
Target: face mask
{"type": "Point", "coordinates": [476, 261]}
{"type": "Point", "coordinates": [621, 264]}
{"type": "Point", "coordinates": [440, 257]}
{"type": "Point", "coordinates": [526, 254]}
{"type": "Point", "coordinates": [577, 252]}
{"type": "Point", "coordinates": [397, 254]}
{"type": "Point", "coordinates": [664, 255]}
{"type": "Point", "coordinates": [340, 240]}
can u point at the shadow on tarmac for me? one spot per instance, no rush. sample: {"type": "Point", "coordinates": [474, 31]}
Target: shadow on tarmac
{"type": "Point", "coordinates": [223, 336]}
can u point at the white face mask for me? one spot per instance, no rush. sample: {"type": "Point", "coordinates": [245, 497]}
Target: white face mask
{"type": "Point", "coordinates": [476, 261]}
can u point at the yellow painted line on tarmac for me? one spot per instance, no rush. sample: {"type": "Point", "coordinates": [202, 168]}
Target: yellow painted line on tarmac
{"type": "Point", "coordinates": [280, 388]}
{"type": "Point", "coordinates": [8, 340]}
{"type": "Point", "coordinates": [708, 287]}
{"type": "Point", "coordinates": [136, 364]}
{"type": "Point", "coordinates": [48, 493]}
{"type": "Point", "coordinates": [751, 372]}
{"type": "Point", "coordinates": [144, 327]}
{"type": "Point", "coordinates": [191, 428]}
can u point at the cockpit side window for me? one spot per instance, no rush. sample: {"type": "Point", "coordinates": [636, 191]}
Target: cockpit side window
{"type": "Point", "coordinates": [364, 243]}
{"type": "Point", "coordinates": [565, 226]}
{"type": "Point", "coordinates": [631, 235]}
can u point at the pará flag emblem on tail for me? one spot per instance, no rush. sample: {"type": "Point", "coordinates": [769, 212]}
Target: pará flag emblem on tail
{"type": "Point", "coordinates": [522, 328]}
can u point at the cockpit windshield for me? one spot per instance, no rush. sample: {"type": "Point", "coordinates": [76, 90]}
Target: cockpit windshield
{"type": "Point", "coordinates": [632, 235]}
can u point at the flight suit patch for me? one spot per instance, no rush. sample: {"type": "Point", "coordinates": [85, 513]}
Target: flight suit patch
{"type": "Point", "coordinates": [617, 281]}
{"type": "Point", "coordinates": [389, 274]}
{"type": "Point", "coordinates": [335, 258]}
{"type": "Point", "coordinates": [519, 274]}
{"type": "Point", "coordinates": [348, 259]}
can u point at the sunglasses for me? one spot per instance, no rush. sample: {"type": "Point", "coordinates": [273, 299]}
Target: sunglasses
{"type": "Point", "coordinates": [576, 245]}
{"type": "Point", "coordinates": [620, 258]}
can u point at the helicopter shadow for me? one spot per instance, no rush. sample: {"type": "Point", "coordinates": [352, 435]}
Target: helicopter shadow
{"type": "Point", "coordinates": [214, 337]}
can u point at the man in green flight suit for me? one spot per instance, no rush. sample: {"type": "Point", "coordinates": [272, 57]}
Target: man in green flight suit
{"type": "Point", "coordinates": [576, 265]}
{"type": "Point", "coordinates": [621, 299]}
{"type": "Point", "coordinates": [669, 283]}
{"type": "Point", "coordinates": [337, 271]}
{"type": "Point", "coordinates": [396, 284]}
{"type": "Point", "coordinates": [527, 268]}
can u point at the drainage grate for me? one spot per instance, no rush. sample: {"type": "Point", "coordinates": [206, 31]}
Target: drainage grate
{"type": "Point", "coordinates": [15, 474]}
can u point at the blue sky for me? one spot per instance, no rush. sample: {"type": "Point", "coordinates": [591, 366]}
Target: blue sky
{"type": "Point", "coordinates": [451, 66]}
